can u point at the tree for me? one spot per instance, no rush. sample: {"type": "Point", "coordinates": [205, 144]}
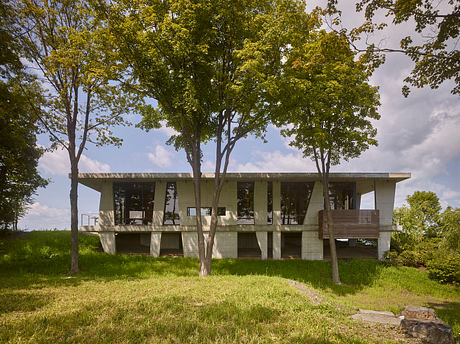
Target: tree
{"type": "Point", "coordinates": [433, 48]}
{"type": "Point", "coordinates": [208, 65]}
{"type": "Point", "coordinates": [66, 42]}
{"type": "Point", "coordinates": [420, 219]}
{"type": "Point", "coordinates": [19, 153]}
{"type": "Point", "coordinates": [450, 228]}
{"type": "Point", "coordinates": [327, 104]}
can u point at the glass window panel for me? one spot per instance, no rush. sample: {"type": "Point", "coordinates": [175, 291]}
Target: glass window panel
{"type": "Point", "coordinates": [245, 203]}
{"type": "Point", "coordinates": [171, 213]}
{"type": "Point", "coordinates": [133, 203]}
{"type": "Point", "coordinates": [206, 211]}
{"type": "Point", "coordinates": [342, 195]}
{"type": "Point", "coordinates": [295, 197]}
{"type": "Point", "coordinates": [269, 203]}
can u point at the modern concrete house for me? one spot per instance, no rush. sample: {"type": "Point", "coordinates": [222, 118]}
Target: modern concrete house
{"type": "Point", "coordinates": [266, 215]}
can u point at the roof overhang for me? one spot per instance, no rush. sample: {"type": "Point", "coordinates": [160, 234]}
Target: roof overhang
{"type": "Point", "coordinates": [95, 180]}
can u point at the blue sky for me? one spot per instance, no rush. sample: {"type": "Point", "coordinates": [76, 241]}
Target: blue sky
{"type": "Point", "coordinates": [419, 134]}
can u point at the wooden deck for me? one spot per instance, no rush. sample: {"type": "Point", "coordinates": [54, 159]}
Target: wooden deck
{"type": "Point", "coordinates": [350, 224]}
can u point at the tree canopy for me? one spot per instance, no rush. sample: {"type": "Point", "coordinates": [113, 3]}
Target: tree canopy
{"type": "Point", "coordinates": [208, 65]}
{"type": "Point", "coordinates": [19, 152]}
{"type": "Point", "coordinates": [64, 40]}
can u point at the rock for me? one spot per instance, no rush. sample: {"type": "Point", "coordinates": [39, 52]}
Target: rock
{"type": "Point", "coordinates": [429, 331]}
{"type": "Point", "coordinates": [416, 312]}
{"type": "Point", "coordinates": [381, 317]}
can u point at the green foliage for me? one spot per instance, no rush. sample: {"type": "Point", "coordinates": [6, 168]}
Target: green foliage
{"type": "Point", "coordinates": [435, 55]}
{"type": "Point", "coordinates": [326, 99]}
{"type": "Point", "coordinates": [419, 220]}
{"type": "Point", "coordinates": [445, 267]}
{"type": "Point", "coordinates": [19, 152]}
{"type": "Point", "coordinates": [450, 228]}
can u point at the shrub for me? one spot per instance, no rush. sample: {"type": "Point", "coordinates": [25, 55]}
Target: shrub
{"type": "Point", "coordinates": [445, 267]}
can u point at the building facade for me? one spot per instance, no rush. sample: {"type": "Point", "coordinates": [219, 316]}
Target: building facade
{"type": "Point", "coordinates": [266, 215]}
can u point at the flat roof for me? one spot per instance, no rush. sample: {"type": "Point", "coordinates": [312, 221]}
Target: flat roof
{"type": "Point", "coordinates": [93, 180]}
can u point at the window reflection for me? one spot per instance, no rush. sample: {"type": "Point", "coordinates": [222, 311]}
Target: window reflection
{"type": "Point", "coordinates": [206, 211]}
{"type": "Point", "coordinates": [245, 203]}
{"type": "Point", "coordinates": [133, 203]}
{"type": "Point", "coordinates": [269, 203]}
{"type": "Point", "coordinates": [342, 195]}
{"type": "Point", "coordinates": [171, 213]}
{"type": "Point", "coordinates": [295, 197]}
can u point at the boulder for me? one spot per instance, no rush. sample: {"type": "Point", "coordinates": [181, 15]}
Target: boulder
{"type": "Point", "coordinates": [416, 312]}
{"type": "Point", "coordinates": [429, 331]}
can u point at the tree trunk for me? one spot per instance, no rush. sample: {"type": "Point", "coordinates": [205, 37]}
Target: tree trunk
{"type": "Point", "coordinates": [74, 216]}
{"type": "Point", "coordinates": [330, 228]}
{"type": "Point", "coordinates": [196, 168]}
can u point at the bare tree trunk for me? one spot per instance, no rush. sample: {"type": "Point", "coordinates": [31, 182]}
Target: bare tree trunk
{"type": "Point", "coordinates": [74, 215]}
{"type": "Point", "coordinates": [196, 168]}
{"type": "Point", "coordinates": [330, 228]}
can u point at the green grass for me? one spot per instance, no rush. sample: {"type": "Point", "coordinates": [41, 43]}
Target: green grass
{"type": "Point", "coordinates": [129, 298]}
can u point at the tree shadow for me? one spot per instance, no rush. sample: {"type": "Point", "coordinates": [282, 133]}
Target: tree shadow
{"type": "Point", "coordinates": [355, 273]}
{"type": "Point", "coordinates": [20, 301]}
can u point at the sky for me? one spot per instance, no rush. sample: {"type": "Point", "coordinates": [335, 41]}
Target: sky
{"type": "Point", "coordinates": [419, 134]}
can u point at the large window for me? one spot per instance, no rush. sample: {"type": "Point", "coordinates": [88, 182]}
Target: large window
{"type": "Point", "coordinates": [245, 203]}
{"type": "Point", "coordinates": [133, 203]}
{"type": "Point", "coordinates": [342, 195]}
{"type": "Point", "coordinates": [295, 197]}
{"type": "Point", "coordinates": [269, 203]}
{"type": "Point", "coordinates": [206, 211]}
{"type": "Point", "coordinates": [171, 214]}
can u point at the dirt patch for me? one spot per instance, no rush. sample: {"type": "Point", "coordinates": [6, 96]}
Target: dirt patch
{"type": "Point", "coordinates": [315, 297]}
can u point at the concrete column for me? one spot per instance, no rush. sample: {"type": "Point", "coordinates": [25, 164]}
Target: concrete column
{"type": "Point", "coordinates": [384, 242]}
{"type": "Point", "coordinates": [155, 242]}
{"type": "Point", "coordinates": [384, 193]}
{"type": "Point", "coordinates": [276, 205]}
{"type": "Point", "coordinates": [276, 245]}
{"type": "Point", "coordinates": [159, 204]}
{"type": "Point", "coordinates": [225, 245]}
{"type": "Point", "coordinates": [108, 242]}
{"type": "Point", "coordinates": [190, 244]}
{"type": "Point", "coordinates": [260, 202]}
{"type": "Point", "coordinates": [316, 204]}
{"type": "Point", "coordinates": [262, 240]}
{"type": "Point", "coordinates": [106, 211]}
{"type": "Point", "coordinates": [312, 247]}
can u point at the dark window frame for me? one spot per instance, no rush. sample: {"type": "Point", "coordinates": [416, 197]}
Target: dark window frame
{"type": "Point", "coordinates": [175, 218]}
{"type": "Point", "coordinates": [290, 202]}
{"type": "Point", "coordinates": [125, 197]}
{"type": "Point", "coordinates": [245, 204]}
{"type": "Point", "coordinates": [221, 211]}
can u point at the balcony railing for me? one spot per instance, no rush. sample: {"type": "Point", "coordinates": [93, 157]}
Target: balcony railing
{"type": "Point", "coordinates": [350, 224]}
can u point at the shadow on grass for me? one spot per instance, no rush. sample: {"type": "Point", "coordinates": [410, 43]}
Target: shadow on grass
{"type": "Point", "coordinates": [42, 258]}
{"type": "Point", "coordinates": [20, 301]}
{"type": "Point", "coordinates": [449, 312]}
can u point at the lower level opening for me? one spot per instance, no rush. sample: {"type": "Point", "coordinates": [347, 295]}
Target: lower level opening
{"type": "Point", "coordinates": [171, 244]}
{"type": "Point", "coordinates": [138, 243]}
{"type": "Point", "coordinates": [352, 248]}
{"type": "Point", "coordinates": [248, 246]}
{"type": "Point", "coordinates": [291, 245]}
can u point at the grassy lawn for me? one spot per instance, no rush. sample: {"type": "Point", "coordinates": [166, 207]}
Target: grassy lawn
{"type": "Point", "coordinates": [128, 298]}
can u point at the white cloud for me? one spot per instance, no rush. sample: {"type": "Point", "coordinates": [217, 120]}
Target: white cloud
{"type": "Point", "coordinates": [40, 216]}
{"type": "Point", "coordinates": [161, 157]}
{"type": "Point", "coordinates": [275, 162]}
{"type": "Point", "coordinates": [57, 163]}
{"type": "Point", "coordinates": [168, 131]}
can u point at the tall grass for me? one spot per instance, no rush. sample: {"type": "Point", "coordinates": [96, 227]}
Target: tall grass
{"type": "Point", "coordinates": [132, 298]}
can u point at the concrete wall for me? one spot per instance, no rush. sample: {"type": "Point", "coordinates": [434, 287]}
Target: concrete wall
{"type": "Point", "coordinates": [226, 237]}
{"type": "Point", "coordinates": [106, 211]}
{"type": "Point", "coordinates": [384, 193]}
